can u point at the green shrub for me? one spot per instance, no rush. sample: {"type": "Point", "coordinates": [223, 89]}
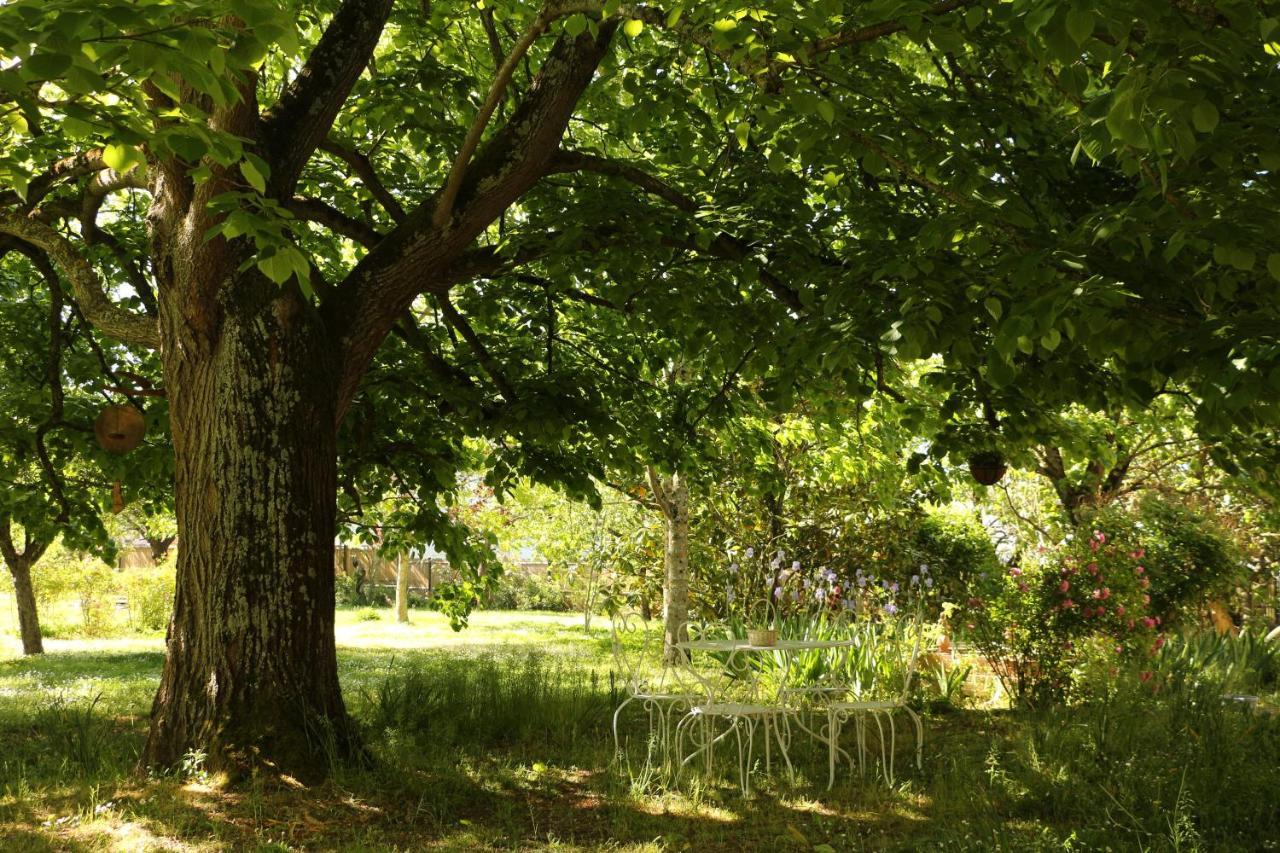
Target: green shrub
{"type": "Point", "coordinates": [518, 590]}
{"type": "Point", "coordinates": [149, 593]}
{"type": "Point", "coordinates": [958, 550]}
{"type": "Point", "coordinates": [96, 588]}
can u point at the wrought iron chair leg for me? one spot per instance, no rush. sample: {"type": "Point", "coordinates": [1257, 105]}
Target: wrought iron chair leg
{"type": "Point", "coordinates": [915, 718]}
{"type": "Point", "coordinates": [884, 762]}
{"type": "Point", "coordinates": [893, 742]}
{"type": "Point", "coordinates": [833, 740]}
{"type": "Point", "coordinates": [617, 744]}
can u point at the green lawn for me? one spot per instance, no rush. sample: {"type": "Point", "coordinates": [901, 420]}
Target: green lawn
{"type": "Point", "coordinates": [497, 738]}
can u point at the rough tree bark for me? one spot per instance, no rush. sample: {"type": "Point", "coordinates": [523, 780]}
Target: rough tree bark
{"type": "Point", "coordinates": [250, 668]}
{"type": "Point", "coordinates": [20, 563]}
{"type": "Point", "coordinates": [672, 496]}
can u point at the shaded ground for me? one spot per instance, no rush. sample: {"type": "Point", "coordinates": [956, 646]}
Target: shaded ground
{"type": "Point", "coordinates": [497, 739]}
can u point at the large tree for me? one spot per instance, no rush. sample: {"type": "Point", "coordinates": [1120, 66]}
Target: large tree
{"type": "Point", "coordinates": [213, 181]}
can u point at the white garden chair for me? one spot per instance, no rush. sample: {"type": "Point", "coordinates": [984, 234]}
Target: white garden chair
{"type": "Point", "coordinates": [859, 708]}
{"type": "Point", "coordinates": [744, 711]}
{"type": "Point", "coordinates": [647, 679]}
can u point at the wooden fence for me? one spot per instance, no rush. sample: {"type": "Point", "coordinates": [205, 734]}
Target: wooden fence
{"type": "Point", "coordinates": [425, 573]}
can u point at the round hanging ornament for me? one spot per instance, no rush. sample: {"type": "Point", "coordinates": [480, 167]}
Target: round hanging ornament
{"type": "Point", "coordinates": [119, 429]}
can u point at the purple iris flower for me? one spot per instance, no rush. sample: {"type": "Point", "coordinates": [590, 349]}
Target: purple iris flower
{"type": "Point", "coordinates": [890, 608]}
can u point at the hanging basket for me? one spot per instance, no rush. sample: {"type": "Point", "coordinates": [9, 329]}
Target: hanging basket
{"type": "Point", "coordinates": [987, 467]}
{"type": "Point", "coordinates": [119, 429]}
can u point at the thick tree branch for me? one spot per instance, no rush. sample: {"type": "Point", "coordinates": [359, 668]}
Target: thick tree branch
{"type": "Point", "coordinates": [363, 167]}
{"type": "Point", "coordinates": [417, 255]}
{"type": "Point", "coordinates": [578, 161]}
{"type": "Point", "coordinates": [122, 324]}
{"type": "Point", "coordinates": [296, 125]}
{"type": "Point", "coordinates": [490, 364]}
{"type": "Point", "coordinates": [314, 210]}
{"type": "Point", "coordinates": [497, 91]}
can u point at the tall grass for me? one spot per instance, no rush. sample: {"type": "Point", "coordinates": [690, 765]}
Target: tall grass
{"type": "Point", "coordinates": [493, 701]}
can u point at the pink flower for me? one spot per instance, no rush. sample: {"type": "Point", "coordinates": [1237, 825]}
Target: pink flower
{"type": "Point", "coordinates": [1093, 545]}
{"type": "Point", "coordinates": [1119, 649]}
{"type": "Point", "coordinates": [1148, 621]}
{"type": "Point", "coordinates": [1138, 554]}
{"type": "Point", "coordinates": [1145, 675]}
{"type": "Point", "coordinates": [1119, 609]}
{"type": "Point", "coordinates": [1068, 604]}
{"type": "Point", "coordinates": [1106, 593]}
{"type": "Point", "coordinates": [1160, 641]}
{"type": "Point", "coordinates": [1022, 587]}
{"type": "Point", "coordinates": [1093, 568]}
{"type": "Point", "coordinates": [1146, 599]}
{"type": "Point", "coordinates": [1139, 570]}
{"type": "Point", "coordinates": [1015, 571]}
{"type": "Point", "coordinates": [1099, 535]}
{"type": "Point", "coordinates": [1097, 593]}
{"type": "Point", "coordinates": [1101, 611]}
{"type": "Point", "coordinates": [1064, 586]}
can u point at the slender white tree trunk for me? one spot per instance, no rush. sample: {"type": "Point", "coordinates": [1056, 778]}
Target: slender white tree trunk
{"type": "Point", "coordinates": [672, 494]}
{"type": "Point", "coordinates": [402, 588]}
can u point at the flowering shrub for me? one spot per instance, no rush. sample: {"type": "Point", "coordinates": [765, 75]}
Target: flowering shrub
{"type": "Point", "coordinates": [1033, 621]}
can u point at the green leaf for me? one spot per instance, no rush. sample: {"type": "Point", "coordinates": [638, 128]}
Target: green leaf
{"type": "Point", "coordinates": [122, 158]}
{"type": "Point", "coordinates": [1204, 117]}
{"type": "Point", "coordinates": [278, 267]}
{"type": "Point", "coordinates": [725, 25]}
{"type": "Point", "coordinates": [994, 308]}
{"type": "Point", "coordinates": [673, 17]}
{"type": "Point", "coordinates": [47, 66]}
{"type": "Point", "coordinates": [827, 110]}
{"type": "Point", "coordinates": [575, 25]}
{"type": "Point", "coordinates": [251, 174]}
{"type": "Point", "coordinates": [1051, 339]}
{"type": "Point", "coordinates": [1080, 25]}
{"type": "Point", "coordinates": [633, 27]}
{"type": "Point", "coordinates": [1243, 259]}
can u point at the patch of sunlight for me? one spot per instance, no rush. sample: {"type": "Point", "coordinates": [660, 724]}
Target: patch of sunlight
{"type": "Point", "coordinates": [131, 836]}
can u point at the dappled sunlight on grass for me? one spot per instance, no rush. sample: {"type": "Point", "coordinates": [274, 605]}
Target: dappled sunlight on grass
{"type": "Point", "coordinates": [498, 738]}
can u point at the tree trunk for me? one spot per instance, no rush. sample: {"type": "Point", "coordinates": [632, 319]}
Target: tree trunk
{"type": "Point", "coordinates": [28, 617]}
{"type": "Point", "coordinates": [402, 589]}
{"type": "Point", "coordinates": [160, 547]}
{"type": "Point", "coordinates": [20, 563]}
{"type": "Point", "coordinates": [675, 587]}
{"type": "Point", "coordinates": [250, 676]}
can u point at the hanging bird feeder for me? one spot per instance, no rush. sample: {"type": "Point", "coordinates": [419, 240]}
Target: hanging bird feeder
{"type": "Point", "coordinates": [119, 429]}
{"type": "Point", "coordinates": [987, 467]}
